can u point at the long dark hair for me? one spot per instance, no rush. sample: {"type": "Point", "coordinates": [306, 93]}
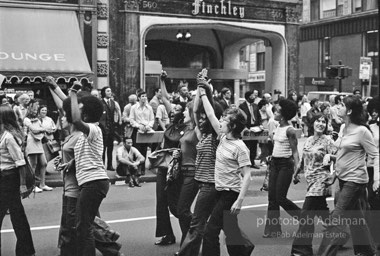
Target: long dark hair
{"type": "Point", "coordinates": [357, 115]}
{"type": "Point", "coordinates": [8, 122]}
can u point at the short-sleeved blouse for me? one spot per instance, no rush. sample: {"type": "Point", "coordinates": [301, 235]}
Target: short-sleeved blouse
{"type": "Point", "coordinates": [315, 172]}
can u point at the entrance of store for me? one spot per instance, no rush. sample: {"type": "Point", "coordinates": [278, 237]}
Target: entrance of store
{"type": "Point", "coordinates": [182, 47]}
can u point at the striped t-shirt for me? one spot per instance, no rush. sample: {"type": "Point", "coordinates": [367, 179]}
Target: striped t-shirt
{"type": "Point", "coordinates": [231, 155]}
{"type": "Point", "coordinates": [88, 156]}
{"type": "Point", "coordinates": [205, 160]}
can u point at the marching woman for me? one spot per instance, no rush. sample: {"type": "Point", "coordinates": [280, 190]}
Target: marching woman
{"type": "Point", "coordinates": [12, 165]}
{"type": "Point", "coordinates": [316, 174]}
{"type": "Point", "coordinates": [167, 195]}
{"type": "Point", "coordinates": [355, 143]}
{"type": "Point", "coordinates": [232, 162]}
{"type": "Point", "coordinates": [284, 161]}
{"type": "Point", "coordinates": [208, 123]}
{"type": "Point", "coordinates": [90, 172]}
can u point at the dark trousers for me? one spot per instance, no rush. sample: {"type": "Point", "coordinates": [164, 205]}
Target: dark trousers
{"type": "Point", "coordinates": [314, 206]}
{"type": "Point", "coordinates": [373, 215]}
{"type": "Point", "coordinates": [187, 194]}
{"type": "Point", "coordinates": [107, 149]}
{"type": "Point", "coordinates": [166, 198]}
{"type": "Point", "coordinates": [348, 208]}
{"type": "Point", "coordinates": [280, 177]}
{"type": "Point", "coordinates": [252, 146]}
{"type": "Point", "coordinates": [91, 195]}
{"type": "Point", "coordinates": [237, 242]}
{"type": "Point", "coordinates": [10, 200]}
{"type": "Point", "coordinates": [204, 205]}
{"type": "Point", "coordinates": [67, 232]}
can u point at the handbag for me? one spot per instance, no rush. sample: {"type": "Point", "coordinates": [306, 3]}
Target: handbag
{"type": "Point", "coordinates": [53, 146]}
{"type": "Point", "coordinates": [161, 158]}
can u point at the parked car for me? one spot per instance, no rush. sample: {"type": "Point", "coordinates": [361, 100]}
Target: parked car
{"type": "Point", "coordinates": [323, 96]}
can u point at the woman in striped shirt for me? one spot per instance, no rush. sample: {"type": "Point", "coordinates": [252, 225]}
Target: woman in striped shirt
{"type": "Point", "coordinates": [208, 125]}
{"type": "Point", "coordinates": [90, 172]}
{"type": "Point", "coordinates": [232, 162]}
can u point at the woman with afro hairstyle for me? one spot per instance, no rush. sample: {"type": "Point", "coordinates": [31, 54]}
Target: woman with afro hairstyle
{"type": "Point", "coordinates": [284, 161]}
{"type": "Point", "coordinates": [90, 172]}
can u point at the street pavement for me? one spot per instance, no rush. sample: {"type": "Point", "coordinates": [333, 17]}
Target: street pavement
{"type": "Point", "coordinates": [131, 212]}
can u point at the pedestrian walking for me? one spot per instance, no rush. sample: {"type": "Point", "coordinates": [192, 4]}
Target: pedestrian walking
{"type": "Point", "coordinates": [208, 123]}
{"type": "Point", "coordinates": [316, 175]}
{"type": "Point", "coordinates": [232, 163]}
{"type": "Point", "coordinates": [355, 141]}
{"type": "Point", "coordinates": [90, 172]}
{"type": "Point", "coordinates": [284, 161]}
{"type": "Point", "coordinates": [167, 195]}
{"type": "Point", "coordinates": [12, 164]}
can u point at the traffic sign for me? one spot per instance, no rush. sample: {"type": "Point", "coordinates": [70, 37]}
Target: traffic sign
{"type": "Point", "coordinates": [365, 68]}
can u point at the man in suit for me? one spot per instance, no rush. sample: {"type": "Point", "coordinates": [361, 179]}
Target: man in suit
{"type": "Point", "coordinates": [251, 111]}
{"type": "Point", "coordinates": [225, 101]}
{"type": "Point", "coordinates": [107, 124]}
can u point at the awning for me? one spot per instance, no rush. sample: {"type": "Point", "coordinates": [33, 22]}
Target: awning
{"type": "Point", "coordinates": [35, 42]}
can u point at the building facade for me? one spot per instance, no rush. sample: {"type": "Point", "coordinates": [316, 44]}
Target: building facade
{"type": "Point", "coordinates": [339, 30]}
{"type": "Point", "coordinates": [182, 37]}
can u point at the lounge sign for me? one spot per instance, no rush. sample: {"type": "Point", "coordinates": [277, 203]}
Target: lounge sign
{"type": "Point", "coordinates": [25, 56]}
{"type": "Point", "coordinates": [223, 8]}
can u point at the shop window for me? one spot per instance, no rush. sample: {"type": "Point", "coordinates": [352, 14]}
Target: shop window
{"type": "Point", "coordinates": [260, 61]}
{"type": "Point", "coordinates": [324, 55]}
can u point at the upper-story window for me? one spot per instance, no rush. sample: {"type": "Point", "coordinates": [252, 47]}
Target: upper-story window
{"type": "Point", "coordinates": [364, 5]}
{"type": "Point", "coordinates": [324, 55]}
{"type": "Point", "coordinates": [331, 8]}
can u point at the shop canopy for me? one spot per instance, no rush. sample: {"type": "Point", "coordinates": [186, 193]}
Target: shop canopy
{"type": "Point", "coordinates": [37, 43]}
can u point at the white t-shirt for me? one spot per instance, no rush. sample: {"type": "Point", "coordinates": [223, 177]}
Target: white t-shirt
{"type": "Point", "coordinates": [88, 156]}
{"type": "Point", "coordinates": [231, 155]}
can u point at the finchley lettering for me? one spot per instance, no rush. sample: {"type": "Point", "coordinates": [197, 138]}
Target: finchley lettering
{"type": "Point", "coordinates": [32, 56]}
{"type": "Point", "coordinates": [224, 8]}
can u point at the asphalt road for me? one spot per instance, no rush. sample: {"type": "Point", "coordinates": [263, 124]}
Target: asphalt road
{"type": "Point", "coordinates": [131, 212]}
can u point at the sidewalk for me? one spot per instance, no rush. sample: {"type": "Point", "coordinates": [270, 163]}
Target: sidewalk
{"type": "Point", "coordinates": [54, 178]}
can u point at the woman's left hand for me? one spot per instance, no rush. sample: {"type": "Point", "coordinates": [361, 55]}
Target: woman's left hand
{"type": "Point", "coordinates": [235, 208]}
{"type": "Point", "coordinates": [375, 185]}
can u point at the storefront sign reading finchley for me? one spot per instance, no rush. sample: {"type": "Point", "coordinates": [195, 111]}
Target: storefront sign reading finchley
{"type": "Point", "coordinates": [224, 8]}
{"type": "Point", "coordinates": [22, 56]}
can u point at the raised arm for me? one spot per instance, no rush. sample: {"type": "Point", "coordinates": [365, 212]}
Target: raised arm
{"type": "Point", "coordinates": [75, 113]}
{"type": "Point", "coordinates": [164, 92]}
{"type": "Point", "coordinates": [56, 92]}
{"type": "Point", "coordinates": [210, 113]}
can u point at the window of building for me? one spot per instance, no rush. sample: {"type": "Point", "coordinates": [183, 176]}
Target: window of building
{"type": "Point", "coordinates": [370, 5]}
{"type": "Point", "coordinates": [330, 8]}
{"type": "Point", "coordinates": [314, 10]}
{"type": "Point", "coordinates": [324, 56]}
{"type": "Point", "coordinates": [372, 50]}
{"type": "Point", "coordinates": [260, 61]}
{"type": "Point", "coordinates": [364, 5]}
